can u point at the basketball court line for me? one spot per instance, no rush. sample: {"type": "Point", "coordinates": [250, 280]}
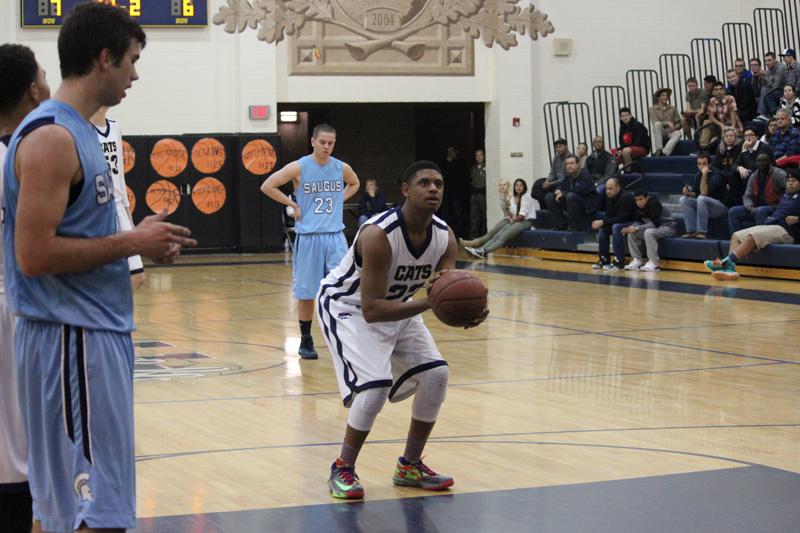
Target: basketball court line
{"type": "Point", "coordinates": [457, 385]}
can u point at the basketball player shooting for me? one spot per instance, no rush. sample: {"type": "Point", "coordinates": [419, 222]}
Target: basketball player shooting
{"type": "Point", "coordinates": [321, 184]}
{"type": "Point", "coordinates": [380, 346]}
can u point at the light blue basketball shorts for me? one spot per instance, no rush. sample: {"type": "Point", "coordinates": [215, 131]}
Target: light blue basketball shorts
{"type": "Point", "coordinates": [315, 254]}
{"type": "Point", "coordinates": [76, 398]}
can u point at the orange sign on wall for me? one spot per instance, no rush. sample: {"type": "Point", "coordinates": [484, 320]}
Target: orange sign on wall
{"type": "Point", "coordinates": [131, 198]}
{"type": "Point", "coordinates": [162, 195]}
{"type": "Point", "coordinates": [258, 157]}
{"type": "Point", "coordinates": [128, 156]}
{"type": "Point", "coordinates": [209, 195]}
{"type": "Point", "coordinates": [169, 157]}
{"type": "Point", "coordinates": [208, 155]}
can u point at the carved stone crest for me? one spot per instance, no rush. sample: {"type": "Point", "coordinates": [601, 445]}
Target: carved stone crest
{"type": "Point", "coordinates": [384, 36]}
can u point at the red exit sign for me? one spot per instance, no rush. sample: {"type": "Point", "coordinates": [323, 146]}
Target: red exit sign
{"type": "Point", "coordinates": [259, 112]}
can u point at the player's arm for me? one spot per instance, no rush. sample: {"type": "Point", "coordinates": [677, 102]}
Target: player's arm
{"type": "Point", "coordinates": [351, 180]}
{"type": "Point", "coordinates": [376, 254]}
{"type": "Point", "coordinates": [290, 172]}
{"type": "Point", "coordinates": [44, 192]}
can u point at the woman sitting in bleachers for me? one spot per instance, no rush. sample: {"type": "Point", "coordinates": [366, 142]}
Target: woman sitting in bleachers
{"type": "Point", "coordinates": [518, 215]}
{"type": "Point", "coordinates": [792, 103]}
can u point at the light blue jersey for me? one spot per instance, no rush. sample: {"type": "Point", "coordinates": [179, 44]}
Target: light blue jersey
{"type": "Point", "coordinates": [99, 299]}
{"type": "Point", "coordinates": [320, 196]}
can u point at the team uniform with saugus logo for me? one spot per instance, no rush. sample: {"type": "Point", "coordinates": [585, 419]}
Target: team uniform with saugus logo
{"type": "Point", "coordinates": [383, 354]}
{"type": "Point", "coordinates": [74, 350]}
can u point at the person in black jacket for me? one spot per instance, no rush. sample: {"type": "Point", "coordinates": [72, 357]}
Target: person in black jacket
{"type": "Point", "coordinates": [742, 92]}
{"type": "Point", "coordinates": [619, 212]}
{"type": "Point", "coordinates": [574, 197]}
{"type": "Point", "coordinates": [372, 201]}
{"type": "Point", "coordinates": [702, 199]}
{"type": "Point", "coordinates": [600, 164]}
{"type": "Point", "coordinates": [634, 139]}
{"type": "Point", "coordinates": [653, 223]}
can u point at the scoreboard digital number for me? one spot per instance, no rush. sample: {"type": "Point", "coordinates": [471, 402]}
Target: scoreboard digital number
{"type": "Point", "coordinates": [159, 13]}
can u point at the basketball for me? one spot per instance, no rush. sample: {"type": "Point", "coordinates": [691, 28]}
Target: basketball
{"type": "Point", "coordinates": [457, 298]}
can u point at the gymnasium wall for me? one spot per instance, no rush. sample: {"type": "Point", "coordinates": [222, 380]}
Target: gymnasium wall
{"type": "Point", "coordinates": [201, 80]}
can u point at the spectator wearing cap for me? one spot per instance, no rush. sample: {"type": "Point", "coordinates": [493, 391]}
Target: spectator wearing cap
{"type": "Point", "coordinates": [792, 70]}
{"type": "Point", "coordinates": [666, 122]}
{"type": "Point", "coordinates": [742, 92]}
{"type": "Point", "coordinates": [765, 187]}
{"type": "Point", "coordinates": [634, 140]}
{"type": "Point", "coordinates": [558, 169]}
{"type": "Point", "coordinates": [775, 78]}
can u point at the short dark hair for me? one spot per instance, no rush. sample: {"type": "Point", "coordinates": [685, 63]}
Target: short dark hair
{"type": "Point", "coordinates": [616, 179]}
{"type": "Point", "coordinates": [710, 79]}
{"type": "Point", "coordinates": [88, 29]}
{"type": "Point", "coordinates": [755, 60]}
{"type": "Point", "coordinates": [323, 128]}
{"type": "Point", "coordinates": [415, 167]}
{"type": "Point", "coordinates": [691, 80]}
{"type": "Point", "coordinates": [768, 54]}
{"type": "Point", "coordinates": [705, 156]}
{"type": "Point", "coordinates": [640, 192]}
{"type": "Point", "coordinates": [624, 110]}
{"type": "Point", "coordinates": [571, 156]}
{"type": "Point", "coordinates": [719, 84]}
{"type": "Point", "coordinates": [18, 69]}
{"type": "Point", "coordinates": [560, 142]}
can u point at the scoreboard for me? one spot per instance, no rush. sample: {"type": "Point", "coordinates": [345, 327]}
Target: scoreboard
{"type": "Point", "coordinates": [164, 13]}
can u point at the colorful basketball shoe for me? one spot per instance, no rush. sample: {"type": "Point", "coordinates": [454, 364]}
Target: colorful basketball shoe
{"type": "Point", "coordinates": [714, 264]}
{"type": "Point", "coordinates": [418, 475]}
{"type": "Point", "coordinates": [344, 482]}
{"type": "Point", "coordinates": [726, 273]}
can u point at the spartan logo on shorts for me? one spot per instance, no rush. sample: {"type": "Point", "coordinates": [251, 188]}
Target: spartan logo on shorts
{"type": "Point", "coordinates": [82, 487]}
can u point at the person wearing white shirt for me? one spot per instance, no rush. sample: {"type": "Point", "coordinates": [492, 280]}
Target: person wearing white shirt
{"type": "Point", "coordinates": [518, 218]}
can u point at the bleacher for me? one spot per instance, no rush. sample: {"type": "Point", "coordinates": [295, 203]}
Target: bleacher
{"type": "Point", "coordinates": [772, 29]}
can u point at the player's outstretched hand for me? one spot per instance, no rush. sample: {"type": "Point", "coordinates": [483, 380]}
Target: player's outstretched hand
{"type": "Point", "coordinates": [478, 321]}
{"type": "Point", "coordinates": [431, 280]}
{"type": "Point", "coordinates": [159, 240]}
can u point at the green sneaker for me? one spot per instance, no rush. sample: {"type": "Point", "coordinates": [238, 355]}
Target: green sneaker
{"type": "Point", "coordinates": [344, 482]}
{"type": "Point", "coordinates": [714, 264]}
{"type": "Point", "coordinates": [418, 475]}
{"type": "Point", "coordinates": [726, 273]}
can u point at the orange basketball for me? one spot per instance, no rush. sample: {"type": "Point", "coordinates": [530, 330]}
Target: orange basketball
{"type": "Point", "coordinates": [258, 157]}
{"type": "Point", "coordinates": [208, 155]}
{"type": "Point", "coordinates": [163, 194]}
{"type": "Point", "coordinates": [128, 156]}
{"type": "Point", "coordinates": [169, 157]}
{"type": "Point", "coordinates": [209, 195]}
{"type": "Point", "coordinates": [131, 198]}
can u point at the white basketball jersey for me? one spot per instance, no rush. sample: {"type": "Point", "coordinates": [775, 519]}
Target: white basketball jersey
{"type": "Point", "coordinates": [409, 269]}
{"type": "Point", "coordinates": [111, 143]}
{"type": "Point", "coordinates": [3, 150]}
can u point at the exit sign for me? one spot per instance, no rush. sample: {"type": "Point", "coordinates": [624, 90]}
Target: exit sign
{"type": "Point", "coordinates": [259, 112]}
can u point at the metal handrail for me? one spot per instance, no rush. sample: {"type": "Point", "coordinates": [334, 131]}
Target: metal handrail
{"type": "Point", "coordinates": [606, 101]}
{"type": "Point", "coordinates": [739, 41]}
{"type": "Point", "coordinates": [707, 58]}
{"type": "Point", "coordinates": [770, 29]}
{"type": "Point", "coordinates": [674, 70]}
{"type": "Point", "coordinates": [641, 84]}
{"type": "Point", "coordinates": [791, 11]}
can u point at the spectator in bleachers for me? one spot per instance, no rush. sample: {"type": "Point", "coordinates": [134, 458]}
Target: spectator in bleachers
{"type": "Point", "coordinates": [785, 142]}
{"type": "Point", "coordinates": [772, 127]}
{"type": "Point", "coordinates": [372, 201]}
{"type": "Point", "coordinates": [779, 228]}
{"type": "Point", "coordinates": [702, 200]}
{"type": "Point", "coordinates": [582, 151]}
{"type": "Point", "coordinates": [634, 139]}
{"type": "Point", "coordinates": [723, 160]}
{"type": "Point", "coordinates": [573, 199]}
{"type": "Point", "coordinates": [558, 169]}
{"type": "Point", "coordinates": [792, 103]}
{"type": "Point", "coordinates": [477, 199]}
{"type": "Point", "coordinates": [694, 108]}
{"type": "Point", "coordinates": [762, 193]}
{"type": "Point", "coordinates": [618, 212]}
{"type": "Point", "coordinates": [757, 79]}
{"type": "Point", "coordinates": [741, 69]}
{"type": "Point", "coordinates": [666, 122]}
{"type": "Point", "coordinates": [504, 199]}
{"type": "Point", "coordinates": [745, 163]}
{"type": "Point", "coordinates": [720, 112]}
{"type": "Point", "coordinates": [742, 92]}
{"type": "Point", "coordinates": [708, 85]}
{"type": "Point", "coordinates": [792, 70]}
{"type": "Point", "coordinates": [652, 223]}
{"type": "Point", "coordinates": [520, 218]}
{"type": "Point", "coordinates": [600, 164]}
{"type": "Point", "coordinates": [775, 79]}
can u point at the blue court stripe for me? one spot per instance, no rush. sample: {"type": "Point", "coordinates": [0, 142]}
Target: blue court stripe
{"type": "Point", "coordinates": [639, 283]}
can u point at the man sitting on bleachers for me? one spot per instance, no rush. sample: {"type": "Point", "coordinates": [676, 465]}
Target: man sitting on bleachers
{"type": "Point", "coordinates": [745, 164]}
{"type": "Point", "coordinates": [766, 186]}
{"type": "Point", "coordinates": [666, 123]}
{"type": "Point", "coordinates": [619, 211]}
{"type": "Point", "coordinates": [742, 92]}
{"type": "Point", "coordinates": [634, 139]}
{"type": "Point", "coordinates": [779, 228]}
{"type": "Point", "coordinates": [600, 164]}
{"type": "Point", "coordinates": [558, 169]}
{"type": "Point", "coordinates": [785, 142]}
{"type": "Point", "coordinates": [694, 107]}
{"type": "Point", "coordinates": [720, 112]}
{"type": "Point", "coordinates": [702, 199]}
{"type": "Point", "coordinates": [573, 198]}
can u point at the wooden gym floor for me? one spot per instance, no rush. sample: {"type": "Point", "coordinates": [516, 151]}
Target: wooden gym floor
{"type": "Point", "coordinates": [588, 401]}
